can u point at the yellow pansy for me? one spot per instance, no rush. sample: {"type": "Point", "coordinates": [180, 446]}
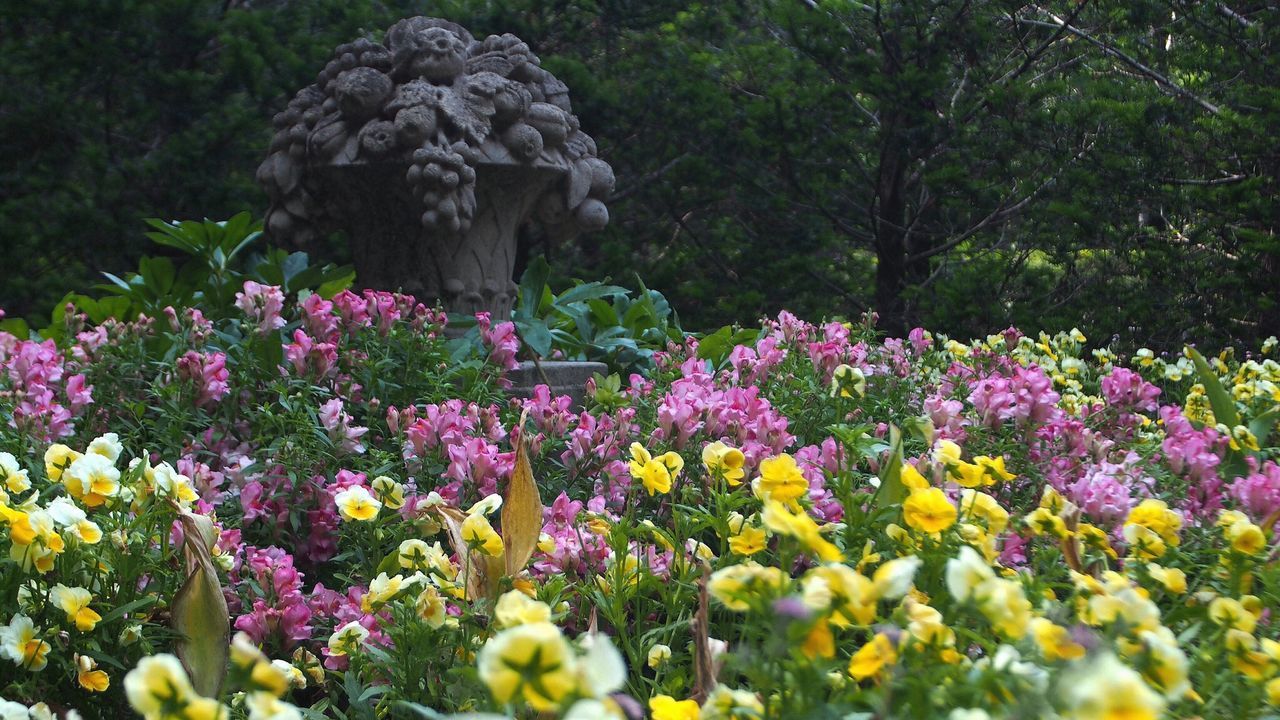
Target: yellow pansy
{"type": "Point", "coordinates": [1231, 613]}
{"type": "Point", "coordinates": [91, 479]}
{"type": "Point", "coordinates": [479, 534]}
{"type": "Point", "coordinates": [749, 540]}
{"type": "Point", "coordinates": [13, 477]}
{"type": "Point", "coordinates": [56, 459]}
{"type": "Point", "coordinates": [89, 676]}
{"type": "Point", "coordinates": [658, 656]}
{"type": "Point", "coordinates": [655, 473]}
{"type": "Point", "coordinates": [1156, 516]}
{"type": "Point", "coordinates": [847, 380]}
{"type": "Point", "coordinates": [431, 608]}
{"type": "Point", "coordinates": [348, 639]}
{"type": "Point", "coordinates": [158, 687]}
{"type": "Point", "coordinates": [871, 659]}
{"type": "Point", "coordinates": [1246, 538]}
{"type": "Point", "coordinates": [982, 506]}
{"type": "Point", "coordinates": [727, 461]}
{"type": "Point", "coordinates": [665, 707]}
{"type": "Point", "coordinates": [929, 511]}
{"type": "Point", "coordinates": [515, 608]}
{"type": "Point", "coordinates": [968, 475]}
{"type": "Point", "coordinates": [1106, 689]}
{"type": "Point", "coordinates": [389, 492]}
{"type": "Point", "coordinates": [849, 596]}
{"type": "Point", "coordinates": [946, 453]}
{"type": "Point", "coordinates": [820, 642]}
{"type": "Point", "coordinates": [781, 480]}
{"type": "Point", "coordinates": [994, 468]}
{"type": "Point", "coordinates": [74, 602]}
{"type": "Point", "coordinates": [736, 586]}
{"type": "Point", "coordinates": [1144, 543]}
{"type": "Point", "coordinates": [911, 477]}
{"type": "Point", "coordinates": [532, 662]}
{"type": "Point", "coordinates": [799, 525]}
{"type": "Point", "coordinates": [1054, 641]}
{"type": "Point", "coordinates": [1173, 579]}
{"type": "Point", "coordinates": [20, 642]}
{"type": "Point", "coordinates": [1043, 521]}
{"type": "Point", "coordinates": [356, 503]}
{"type": "Point", "coordinates": [382, 589]}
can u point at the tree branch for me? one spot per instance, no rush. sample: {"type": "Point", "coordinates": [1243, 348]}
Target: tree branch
{"type": "Point", "coordinates": [1125, 58]}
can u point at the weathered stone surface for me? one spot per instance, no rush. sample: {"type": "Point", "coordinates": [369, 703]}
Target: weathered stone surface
{"type": "Point", "coordinates": [429, 151]}
{"type": "Point", "coordinates": [562, 377]}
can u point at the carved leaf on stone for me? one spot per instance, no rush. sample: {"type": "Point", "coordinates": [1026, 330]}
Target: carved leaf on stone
{"type": "Point", "coordinates": [467, 117]}
{"type": "Point", "coordinates": [414, 93]}
{"type": "Point", "coordinates": [494, 62]}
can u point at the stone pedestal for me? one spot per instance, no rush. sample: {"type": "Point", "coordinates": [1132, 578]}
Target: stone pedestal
{"type": "Point", "coordinates": [563, 377]}
{"type": "Point", "coordinates": [466, 272]}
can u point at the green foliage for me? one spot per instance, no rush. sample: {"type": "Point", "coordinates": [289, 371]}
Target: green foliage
{"type": "Point", "coordinates": [220, 258]}
{"type": "Point", "coordinates": [591, 321]}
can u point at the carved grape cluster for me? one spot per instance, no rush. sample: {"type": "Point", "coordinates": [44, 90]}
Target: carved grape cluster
{"type": "Point", "coordinates": [432, 98]}
{"type": "Point", "coordinates": [445, 182]}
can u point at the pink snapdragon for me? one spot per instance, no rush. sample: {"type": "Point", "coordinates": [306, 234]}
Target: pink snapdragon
{"type": "Point", "coordinates": [1126, 390]}
{"type": "Point", "coordinates": [36, 371]}
{"type": "Point", "coordinates": [1259, 492]}
{"type": "Point", "coordinates": [208, 371]}
{"type": "Point", "coordinates": [262, 304]}
{"type": "Point", "coordinates": [501, 341]}
{"type": "Point", "coordinates": [311, 358]}
{"type": "Point", "coordinates": [281, 613]}
{"type": "Point", "coordinates": [1025, 396]}
{"type": "Point", "coordinates": [1109, 490]}
{"type": "Point", "coordinates": [337, 421]}
{"type": "Point", "coordinates": [318, 318]}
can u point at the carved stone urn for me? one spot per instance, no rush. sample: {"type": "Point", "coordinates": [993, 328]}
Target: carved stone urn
{"type": "Point", "coordinates": [428, 152]}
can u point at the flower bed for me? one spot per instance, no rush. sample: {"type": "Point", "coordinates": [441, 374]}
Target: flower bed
{"type": "Point", "coordinates": [804, 521]}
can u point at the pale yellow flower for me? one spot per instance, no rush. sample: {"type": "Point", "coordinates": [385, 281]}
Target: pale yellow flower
{"type": "Point", "coordinates": [74, 602]}
{"type": "Point", "coordinates": [532, 662]}
{"type": "Point", "coordinates": [356, 503]}
{"type": "Point", "coordinates": [20, 642]}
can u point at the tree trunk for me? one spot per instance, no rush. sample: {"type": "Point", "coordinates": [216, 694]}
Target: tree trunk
{"type": "Point", "coordinates": [889, 218]}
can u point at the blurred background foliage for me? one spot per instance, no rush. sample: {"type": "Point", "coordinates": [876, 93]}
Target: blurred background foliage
{"type": "Point", "coordinates": [1110, 165]}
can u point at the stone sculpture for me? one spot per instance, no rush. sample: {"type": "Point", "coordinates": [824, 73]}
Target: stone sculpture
{"type": "Point", "coordinates": [429, 151]}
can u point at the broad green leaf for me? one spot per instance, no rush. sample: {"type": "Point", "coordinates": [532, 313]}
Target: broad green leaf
{"type": "Point", "coordinates": [1262, 425]}
{"type": "Point", "coordinates": [1224, 407]}
{"type": "Point", "coordinates": [891, 488]}
{"type": "Point", "coordinates": [532, 284]}
{"type": "Point", "coordinates": [199, 610]}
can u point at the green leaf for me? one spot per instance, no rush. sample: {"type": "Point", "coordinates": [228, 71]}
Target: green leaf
{"type": "Point", "coordinates": [16, 327]}
{"type": "Point", "coordinates": [199, 610]}
{"type": "Point", "coordinates": [1224, 407]}
{"type": "Point", "coordinates": [536, 335]}
{"type": "Point", "coordinates": [158, 272]}
{"type": "Point", "coordinates": [343, 278]}
{"type": "Point", "coordinates": [532, 284]}
{"type": "Point", "coordinates": [122, 610]}
{"type": "Point", "coordinates": [891, 489]}
{"type": "Point", "coordinates": [1263, 425]}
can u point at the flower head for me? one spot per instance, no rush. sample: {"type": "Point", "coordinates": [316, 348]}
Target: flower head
{"type": "Point", "coordinates": [532, 662]}
{"type": "Point", "coordinates": [929, 511]}
{"type": "Point", "coordinates": [20, 642]}
{"type": "Point", "coordinates": [356, 503]}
